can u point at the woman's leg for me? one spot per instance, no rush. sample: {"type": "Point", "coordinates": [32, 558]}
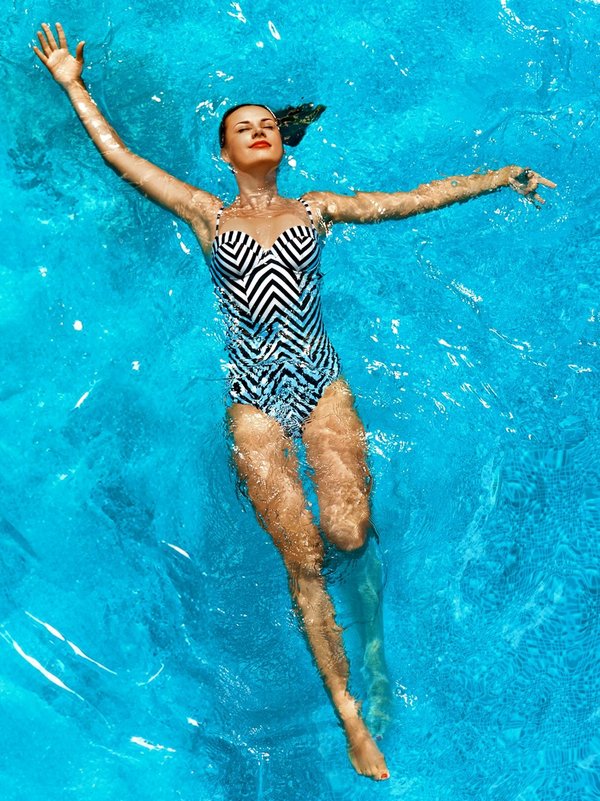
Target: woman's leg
{"type": "Point", "coordinates": [266, 460]}
{"type": "Point", "coordinates": [336, 450]}
{"type": "Point", "coordinates": [362, 585]}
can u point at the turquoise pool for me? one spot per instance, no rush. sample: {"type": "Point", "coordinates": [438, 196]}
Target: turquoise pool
{"type": "Point", "coordinates": [147, 645]}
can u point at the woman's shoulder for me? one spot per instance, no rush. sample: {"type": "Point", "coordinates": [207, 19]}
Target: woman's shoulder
{"type": "Point", "coordinates": [322, 204]}
{"type": "Point", "coordinates": [315, 198]}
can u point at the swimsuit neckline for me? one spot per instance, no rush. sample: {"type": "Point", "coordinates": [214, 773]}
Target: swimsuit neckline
{"type": "Point", "coordinates": [265, 250]}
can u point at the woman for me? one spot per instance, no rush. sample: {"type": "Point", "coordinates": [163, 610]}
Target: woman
{"type": "Point", "coordinates": [284, 380]}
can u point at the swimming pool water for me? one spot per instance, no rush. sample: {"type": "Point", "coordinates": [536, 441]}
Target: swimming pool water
{"type": "Point", "coordinates": [148, 647]}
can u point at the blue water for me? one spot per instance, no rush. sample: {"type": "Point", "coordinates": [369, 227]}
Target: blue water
{"type": "Point", "coordinates": [148, 649]}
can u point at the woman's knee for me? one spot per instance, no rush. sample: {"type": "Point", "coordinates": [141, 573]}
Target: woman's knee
{"type": "Point", "coordinates": [349, 531]}
{"type": "Point", "coordinates": [303, 562]}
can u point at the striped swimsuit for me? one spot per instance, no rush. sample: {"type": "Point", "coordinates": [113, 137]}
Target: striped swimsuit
{"type": "Point", "coordinates": [280, 358]}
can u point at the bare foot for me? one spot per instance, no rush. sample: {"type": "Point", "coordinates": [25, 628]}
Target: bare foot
{"type": "Point", "coordinates": [364, 754]}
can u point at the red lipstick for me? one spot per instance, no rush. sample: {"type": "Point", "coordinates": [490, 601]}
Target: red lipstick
{"type": "Point", "coordinates": [261, 143]}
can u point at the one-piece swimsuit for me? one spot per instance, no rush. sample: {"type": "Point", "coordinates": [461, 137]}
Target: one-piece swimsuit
{"type": "Point", "coordinates": [280, 357]}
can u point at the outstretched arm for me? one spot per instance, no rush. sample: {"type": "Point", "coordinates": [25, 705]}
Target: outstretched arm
{"type": "Point", "coordinates": [371, 207]}
{"type": "Point", "coordinates": [183, 199]}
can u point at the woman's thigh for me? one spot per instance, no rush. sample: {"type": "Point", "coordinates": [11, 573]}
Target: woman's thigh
{"type": "Point", "coordinates": [336, 450]}
{"type": "Point", "coordinates": [266, 460]}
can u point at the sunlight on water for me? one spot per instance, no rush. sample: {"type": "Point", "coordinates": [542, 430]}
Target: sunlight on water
{"type": "Point", "coordinates": [148, 644]}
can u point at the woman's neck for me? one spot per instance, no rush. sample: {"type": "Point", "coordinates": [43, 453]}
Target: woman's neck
{"type": "Point", "coordinates": [256, 191]}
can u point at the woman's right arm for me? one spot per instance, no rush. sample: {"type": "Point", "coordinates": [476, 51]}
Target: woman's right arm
{"type": "Point", "coordinates": [186, 201]}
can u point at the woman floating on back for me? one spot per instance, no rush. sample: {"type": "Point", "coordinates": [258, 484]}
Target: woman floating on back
{"type": "Point", "coordinates": [285, 381]}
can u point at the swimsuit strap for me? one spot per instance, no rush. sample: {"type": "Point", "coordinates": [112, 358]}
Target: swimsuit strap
{"type": "Point", "coordinates": [217, 220]}
{"type": "Point", "coordinates": [308, 211]}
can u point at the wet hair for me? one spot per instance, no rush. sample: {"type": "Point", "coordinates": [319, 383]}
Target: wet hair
{"type": "Point", "coordinates": [291, 120]}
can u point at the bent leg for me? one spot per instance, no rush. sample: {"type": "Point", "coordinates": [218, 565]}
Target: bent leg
{"type": "Point", "coordinates": [266, 460]}
{"type": "Point", "coordinates": [336, 450]}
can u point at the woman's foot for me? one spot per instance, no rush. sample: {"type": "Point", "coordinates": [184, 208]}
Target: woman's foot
{"type": "Point", "coordinates": [364, 754]}
{"type": "Point", "coordinates": [366, 758]}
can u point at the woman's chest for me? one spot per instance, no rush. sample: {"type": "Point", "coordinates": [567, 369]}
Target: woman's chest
{"type": "Point", "coordinates": [237, 255]}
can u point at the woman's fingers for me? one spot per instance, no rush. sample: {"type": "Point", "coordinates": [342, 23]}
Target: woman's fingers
{"type": "Point", "coordinates": [534, 177]}
{"type": "Point", "coordinates": [50, 36]}
{"type": "Point", "coordinates": [61, 36]}
{"type": "Point", "coordinates": [545, 181]}
{"type": "Point", "coordinates": [42, 57]}
{"type": "Point", "coordinates": [49, 47]}
{"type": "Point", "coordinates": [519, 186]}
{"type": "Point", "coordinates": [48, 42]}
{"type": "Point", "coordinates": [526, 183]}
{"type": "Point", "coordinates": [44, 43]}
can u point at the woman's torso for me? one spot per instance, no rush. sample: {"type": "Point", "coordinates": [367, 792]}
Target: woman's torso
{"type": "Point", "coordinates": [270, 296]}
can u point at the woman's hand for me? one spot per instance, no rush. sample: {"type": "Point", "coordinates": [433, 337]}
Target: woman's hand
{"type": "Point", "coordinates": [65, 68]}
{"type": "Point", "coordinates": [526, 181]}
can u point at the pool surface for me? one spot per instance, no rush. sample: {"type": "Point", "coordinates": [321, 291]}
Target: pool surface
{"type": "Point", "coordinates": [148, 648]}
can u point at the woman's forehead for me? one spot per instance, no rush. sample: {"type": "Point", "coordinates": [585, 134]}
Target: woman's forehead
{"type": "Point", "coordinates": [250, 114]}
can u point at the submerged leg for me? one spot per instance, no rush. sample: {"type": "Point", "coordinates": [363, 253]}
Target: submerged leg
{"type": "Point", "coordinates": [362, 582]}
{"type": "Point", "coordinates": [336, 451]}
{"type": "Point", "coordinates": [267, 462]}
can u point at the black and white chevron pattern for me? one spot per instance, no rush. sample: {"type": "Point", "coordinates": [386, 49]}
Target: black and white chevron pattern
{"type": "Point", "coordinates": [281, 359]}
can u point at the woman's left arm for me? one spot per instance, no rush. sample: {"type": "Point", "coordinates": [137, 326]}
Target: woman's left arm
{"type": "Point", "coordinates": [371, 207]}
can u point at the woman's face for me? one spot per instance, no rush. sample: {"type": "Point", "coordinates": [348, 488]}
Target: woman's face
{"type": "Point", "coordinates": [252, 139]}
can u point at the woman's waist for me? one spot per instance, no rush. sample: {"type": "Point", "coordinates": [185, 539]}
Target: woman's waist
{"type": "Point", "coordinates": [309, 354]}
{"type": "Point", "coordinates": [275, 340]}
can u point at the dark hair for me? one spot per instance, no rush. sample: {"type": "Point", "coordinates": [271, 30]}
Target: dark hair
{"type": "Point", "coordinates": [292, 121]}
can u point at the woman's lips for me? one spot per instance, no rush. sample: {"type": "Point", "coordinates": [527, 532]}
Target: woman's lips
{"type": "Point", "coordinates": [262, 143]}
